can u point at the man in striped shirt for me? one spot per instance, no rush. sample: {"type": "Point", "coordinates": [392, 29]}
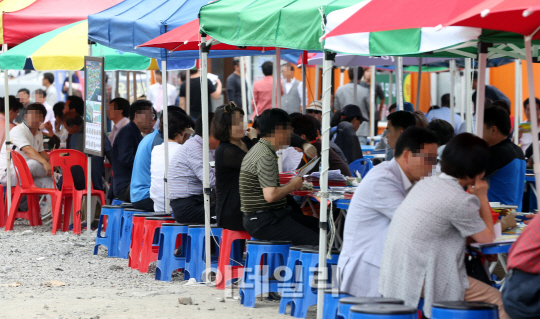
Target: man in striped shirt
{"type": "Point", "coordinates": [268, 214]}
{"type": "Point", "coordinates": [185, 178]}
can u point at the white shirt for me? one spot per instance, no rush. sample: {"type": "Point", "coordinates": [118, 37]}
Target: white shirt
{"type": "Point", "coordinates": [444, 113]}
{"type": "Point", "coordinates": [291, 159]}
{"type": "Point", "coordinates": [287, 86]}
{"type": "Point", "coordinates": [21, 136]}
{"type": "Point", "coordinates": [116, 128]}
{"type": "Point", "coordinates": [157, 173]}
{"type": "Point", "coordinates": [50, 115]}
{"type": "Point", "coordinates": [52, 96]}
{"type": "Point", "coordinates": [155, 95]}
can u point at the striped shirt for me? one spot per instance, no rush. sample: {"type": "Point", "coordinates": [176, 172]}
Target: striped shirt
{"type": "Point", "coordinates": [259, 170]}
{"type": "Point", "coordinates": [185, 175]}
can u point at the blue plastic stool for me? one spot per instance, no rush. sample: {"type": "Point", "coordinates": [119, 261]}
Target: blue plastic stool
{"type": "Point", "coordinates": [293, 280]}
{"type": "Point", "coordinates": [382, 311]}
{"type": "Point", "coordinates": [331, 301]}
{"type": "Point", "coordinates": [167, 262]}
{"type": "Point", "coordinates": [255, 281]}
{"type": "Point", "coordinates": [464, 310]}
{"type": "Point", "coordinates": [111, 239]}
{"type": "Point", "coordinates": [126, 227]}
{"type": "Point", "coordinates": [346, 304]}
{"type": "Point", "coordinates": [310, 260]}
{"type": "Point", "coordinates": [117, 202]}
{"type": "Point", "coordinates": [195, 259]}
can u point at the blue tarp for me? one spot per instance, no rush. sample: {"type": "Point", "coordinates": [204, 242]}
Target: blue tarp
{"type": "Point", "coordinates": [137, 21]}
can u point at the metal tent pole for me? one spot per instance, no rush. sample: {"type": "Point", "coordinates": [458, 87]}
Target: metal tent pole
{"type": "Point", "coordinates": [243, 88]}
{"type": "Point", "coordinates": [89, 175]}
{"type": "Point", "coordinates": [399, 83]}
{"type": "Point", "coordinates": [355, 91]}
{"type": "Point", "coordinates": [391, 89]}
{"type": "Point", "coordinates": [278, 78]}
{"type": "Point", "coordinates": [468, 93]}
{"type": "Point", "coordinates": [463, 97]}
{"type": "Point", "coordinates": [206, 150]}
{"type": "Point", "coordinates": [532, 107]}
{"type": "Point", "coordinates": [70, 79]}
{"type": "Point", "coordinates": [188, 91]}
{"type": "Point", "coordinates": [517, 98]}
{"type": "Point", "coordinates": [372, 107]}
{"type": "Point", "coordinates": [165, 131]}
{"type": "Point", "coordinates": [481, 88]}
{"type": "Point", "coordinates": [323, 218]}
{"type": "Point", "coordinates": [316, 98]}
{"type": "Point", "coordinates": [419, 84]}
{"type": "Point", "coordinates": [452, 91]}
{"type": "Point", "coordinates": [8, 140]}
{"type": "Point", "coordinates": [128, 91]}
{"type": "Point", "coordinates": [135, 88]}
{"type": "Point", "coordinates": [274, 80]}
{"type": "Point", "coordinates": [304, 77]}
{"type": "Point", "coordinates": [341, 76]}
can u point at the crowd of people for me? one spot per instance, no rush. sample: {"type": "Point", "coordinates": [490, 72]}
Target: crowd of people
{"type": "Point", "coordinates": [409, 220]}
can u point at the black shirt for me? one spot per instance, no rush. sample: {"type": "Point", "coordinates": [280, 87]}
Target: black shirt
{"type": "Point", "coordinates": [501, 155]}
{"type": "Point", "coordinates": [347, 141]}
{"type": "Point", "coordinates": [195, 99]}
{"type": "Point", "coordinates": [229, 159]}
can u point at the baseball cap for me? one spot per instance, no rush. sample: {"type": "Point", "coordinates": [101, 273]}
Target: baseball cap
{"type": "Point", "coordinates": [315, 106]}
{"type": "Point", "coordinates": [352, 110]}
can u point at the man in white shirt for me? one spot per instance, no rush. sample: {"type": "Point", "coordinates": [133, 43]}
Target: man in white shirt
{"type": "Point", "coordinates": [52, 94]}
{"type": "Point", "coordinates": [444, 113]}
{"type": "Point", "coordinates": [118, 112]}
{"type": "Point", "coordinates": [291, 100]}
{"type": "Point", "coordinates": [40, 96]}
{"type": "Point", "coordinates": [180, 129]}
{"type": "Point", "coordinates": [155, 93]}
{"type": "Point", "coordinates": [27, 140]}
{"type": "Point", "coordinates": [373, 205]}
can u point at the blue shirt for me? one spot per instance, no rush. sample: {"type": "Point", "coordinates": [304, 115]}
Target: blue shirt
{"type": "Point", "coordinates": [444, 113]}
{"type": "Point", "coordinates": [123, 154]}
{"type": "Point", "coordinates": [140, 178]}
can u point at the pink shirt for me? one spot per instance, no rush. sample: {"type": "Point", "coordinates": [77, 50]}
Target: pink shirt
{"type": "Point", "coordinates": [262, 94]}
{"type": "Point", "coordinates": [3, 129]}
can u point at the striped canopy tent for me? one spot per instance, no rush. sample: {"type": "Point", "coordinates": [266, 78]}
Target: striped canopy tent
{"type": "Point", "coordinates": [40, 16]}
{"type": "Point", "coordinates": [7, 6]}
{"type": "Point", "coordinates": [42, 52]}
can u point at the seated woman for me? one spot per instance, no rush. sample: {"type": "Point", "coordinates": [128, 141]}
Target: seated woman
{"type": "Point", "coordinates": [425, 249]}
{"type": "Point", "coordinates": [229, 129]}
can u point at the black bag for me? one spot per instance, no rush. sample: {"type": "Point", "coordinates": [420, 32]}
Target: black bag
{"type": "Point", "coordinates": [475, 268]}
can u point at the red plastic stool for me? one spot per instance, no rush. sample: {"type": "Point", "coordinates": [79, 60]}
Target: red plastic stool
{"type": "Point", "coordinates": [150, 243]}
{"type": "Point", "coordinates": [226, 271]}
{"type": "Point", "coordinates": [137, 237]}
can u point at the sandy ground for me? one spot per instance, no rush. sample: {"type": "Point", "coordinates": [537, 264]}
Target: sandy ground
{"type": "Point", "coordinates": [57, 276]}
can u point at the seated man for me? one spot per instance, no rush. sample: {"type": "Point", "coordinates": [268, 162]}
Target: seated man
{"type": "Point", "coordinates": [306, 127]}
{"type": "Point", "coordinates": [502, 152]}
{"type": "Point", "coordinates": [373, 206]}
{"type": "Point", "coordinates": [125, 148]}
{"type": "Point", "coordinates": [267, 214]}
{"type": "Point", "coordinates": [14, 106]}
{"type": "Point", "coordinates": [397, 122]}
{"type": "Point", "coordinates": [344, 135]}
{"type": "Point", "coordinates": [74, 104]}
{"type": "Point", "coordinates": [185, 178]}
{"type": "Point", "coordinates": [56, 131]}
{"type": "Point", "coordinates": [140, 179]}
{"type": "Point", "coordinates": [27, 140]}
{"type": "Point", "coordinates": [180, 129]}
{"type": "Point", "coordinates": [118, 112]}
{"type": "Point", "coordinates": [522, 290]}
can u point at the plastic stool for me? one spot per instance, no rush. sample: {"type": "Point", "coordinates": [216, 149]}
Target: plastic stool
{"type": "Point", "coordinates": [345, 304]}
{"type": "Point", "coordinates": [257, 281]}
{"type": "Point", "coordinates": [196, 255]}
{"type": "Point", "coordinates": [331, 302]}
{"type": "Point", "coordinates": [230, 252]}
{"type": "Point", "coordinates": [126, 227]}
{"type": "Point", "coordinates": [111, 239]}
{"type": "Point", "coordinates": [137, 232]}
{"type": "Point", "coordinates": [126, 205]}
{"type": "Point", "coordinates": [382, 311]}
{"type": "Point", "coordinates": [117, 202]}
{"type": "Point", "coordinates": [167, 261]}
{"type": "Point", "coordinates": [464, 310]}
{"type": "Point", "coordinates": [310, 259]}
{"type": "Point", "coordinates": [150, 242]}
{"type": "Point", "coordinates": [290, 293]}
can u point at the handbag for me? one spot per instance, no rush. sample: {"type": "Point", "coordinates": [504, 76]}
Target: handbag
{"type": "Point", "coordinates": [475, 267]}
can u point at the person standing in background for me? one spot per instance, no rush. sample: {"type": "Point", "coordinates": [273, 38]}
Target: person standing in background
{"type": "Point", "coordinates": [379, 93]}
{"type": "Point", "coordinates": [155, 93]}
{"type": "Point", "coordinates": [262, 90]}
{"type": "Point", "coordinates": [195, 100]}
{"type": "Point", "coordinates": [41, 97]}
{"type": "Point", "coordinates": [24, 97]}
{"type": "Point", "coordinates": [291, 100]}
{"type": "Point", "coordinates": [52, 94]}
{"type": "Point", "coordinates": [234, 85]}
